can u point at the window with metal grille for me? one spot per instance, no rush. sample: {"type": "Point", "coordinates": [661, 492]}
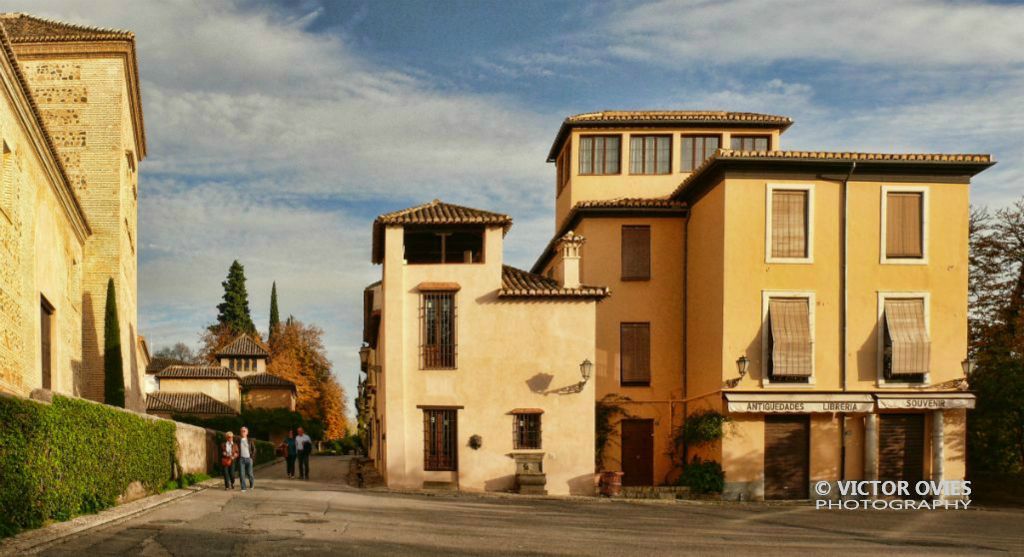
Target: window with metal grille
{"type": "Point", "coordinates": [526, 430]}
{"type": "Point", "coordinates": [440, 435]}
{"type": "Point", "coordinates": [437, 331]}
{"type": "Point", "coordinates": [599, 154]}
{"type": "Point", "coordinates": [750, 142]}
{"type": "Point", "coordinates": [636, 252]}
{"type": "Point", "coordinates": [697, 148]}
{"type": "Point", "coordinates": [650, 154]}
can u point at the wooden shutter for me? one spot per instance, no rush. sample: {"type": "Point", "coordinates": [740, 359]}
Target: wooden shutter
{"type": "Point", "coordinates": [904, 224]}
{"type": "Point", "coordinates": [789, 223]}
{"type": "Point", "coordinates": [635, 353]}
{"type": "Point", "coordinates": [636, 252]}
{"type": "Point", "coordinates": [792, 350]}
{"type": "Point", "coordinates": [440, 438]}
{"type": "Point", "coordinates": [901, 447]}
{"type": "Point", "coordinates": [786, 456]}
{"type": "Point", "coordinates": [909, 345]}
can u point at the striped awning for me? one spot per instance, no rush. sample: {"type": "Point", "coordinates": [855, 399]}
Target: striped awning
{"type": "Point", "coordinates": [792, 350]}
{"type": "Point", "coordinates": [910, 345]}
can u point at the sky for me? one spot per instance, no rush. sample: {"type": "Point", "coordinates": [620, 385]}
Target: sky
{"type": "Point", "coordinates": [277, 131]}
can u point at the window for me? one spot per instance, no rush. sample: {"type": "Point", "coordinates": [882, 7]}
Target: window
{"type": "Point", "coordinates": [562, 168]}
{"type": "Point", "coordinates": [636, 252]}
{"type": "Point", "coordinates": [432, 246]}
{"type": "Point", "coordinates": [6, 181]}
{"type": "Point", "coordinates": [789, 217]}
{"type": "Point", "coordinates": [635, 354]}
{"type": "Point", "coordinates": [650, 154]}
{"type": "Point", "coordinates": [437, 316]}
{"type": "Point", "coordinates": [790, 346]}
{"type": "Point", "coordinates": [906, 347]}
{"type": "Point", "coordinates": [599, 154]}
{"type": "Point", "coordinates": [440, 434]}
{"type": "Point", "coordinates": [46, 336]}
{"type": "Point", "coordinates": [903, 232]}
{"type": "Point", "coordinates": [750, 142]}
{"type": "Point", "coordinates": [526, 430]}
{"type": "Point", "coordinates": [696, 149]}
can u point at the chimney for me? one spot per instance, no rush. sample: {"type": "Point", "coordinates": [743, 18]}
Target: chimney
{"type": "Point", "coordinates": [569, 250]}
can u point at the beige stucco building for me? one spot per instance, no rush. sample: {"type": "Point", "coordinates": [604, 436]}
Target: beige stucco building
{"type": "Point", "coordinates": [836, 281]}
{"type": "Point", "coordinates": [72, 138]}
{"type": "Point", "coordinates": [479, 372]}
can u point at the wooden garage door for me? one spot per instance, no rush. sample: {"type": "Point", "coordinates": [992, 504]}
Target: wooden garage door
{"type": "Point", "coordinates": [786, 456]}
{"type": "Point", "coordinates": [901, 447]}
{"type": "Point", "coordinates": [637, 452]}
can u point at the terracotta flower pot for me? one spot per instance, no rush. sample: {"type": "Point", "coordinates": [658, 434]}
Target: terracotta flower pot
{"type": "Point", "coordinates": [611, 484]}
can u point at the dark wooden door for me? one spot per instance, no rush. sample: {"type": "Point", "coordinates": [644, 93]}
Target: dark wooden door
{"type": "Point", "coordinates": [637, 452]}
{"type": "Point", "coordinates": [901, 447]}
{"type": "Point", "coordinates": [786, 456]}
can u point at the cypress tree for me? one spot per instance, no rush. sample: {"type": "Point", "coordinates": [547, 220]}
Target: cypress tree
{"type": "Point", "coordinates": [275, 317]}
{"type": "Point", "coordinates": [113, 366]}
{"type": "Point", "coordinates": [233, 312]}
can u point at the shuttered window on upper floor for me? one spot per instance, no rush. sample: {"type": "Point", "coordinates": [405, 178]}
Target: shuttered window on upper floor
{"type": "Point", "coordinates": [907, 347]}
{"type": "Point", "coordinates": [792, 347]}
{"type": "Point", "coordinates": [789, 224]}
{"type": "Point", "coordinates": [635, 353]}
{"type": "Point", "coordinates": [636, 252]}
{"type": "Point", "coordinates": [904, 225]}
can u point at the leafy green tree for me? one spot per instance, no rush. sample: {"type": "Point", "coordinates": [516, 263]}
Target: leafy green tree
{"type": "Point", "coordinates": [113, 365]}
{"type": "Point", "coordinates": [275, 317]}
{"type": "Point", "coordinates": [233, 312]}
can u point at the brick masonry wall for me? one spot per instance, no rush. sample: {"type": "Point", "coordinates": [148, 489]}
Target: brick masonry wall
{"type": "Point", "coordinates": [84, 103]}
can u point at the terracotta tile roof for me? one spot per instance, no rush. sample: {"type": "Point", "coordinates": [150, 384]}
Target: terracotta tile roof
{"type": "Point", "coordinates": [24, 28]}
{"type": "Point", "coordinates": [265, 380]}
{"type": "Point", "coordinates": [196, 372]}
{"type": "Point", "coordinates": [979, 161]}
{"type": "Point", "coordinates": [436, 212]}
{"type": "Point", "coordinates": [244, 345]}
{"type": "Point", "coordinates": [517, 283]}
{"type": "Point", "coordinates": [186, 403]}
{"type": "Point", "coordinates": [666, 118]}
{"type": "Point", "coordinates": [156, 365]}
{"type": "Point", "coordinates": [628, 205]}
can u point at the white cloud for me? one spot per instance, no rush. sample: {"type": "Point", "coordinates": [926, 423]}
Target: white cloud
{"type": "Point", "coordinates": [918, 32]}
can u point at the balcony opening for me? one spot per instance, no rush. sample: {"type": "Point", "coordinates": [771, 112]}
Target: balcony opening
{"type": "Point", "coordinates": [444, 246]}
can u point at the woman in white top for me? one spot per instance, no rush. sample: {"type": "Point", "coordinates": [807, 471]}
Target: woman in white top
{"type": "Point", "coordinates": [228, 454]}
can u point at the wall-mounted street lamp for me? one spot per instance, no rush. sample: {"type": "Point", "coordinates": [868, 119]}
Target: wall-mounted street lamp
{"type": "Point", "coordinates": [586, 368]}
{"type": "Point", "coordinates": [742, 363]}
{"type": "Point", "coordinates": [364, 355]}
{"type": "Point", "coordinates": [968, 366]}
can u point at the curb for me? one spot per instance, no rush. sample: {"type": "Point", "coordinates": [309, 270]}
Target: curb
{"type": "Point", "coordinates": [34, 541]}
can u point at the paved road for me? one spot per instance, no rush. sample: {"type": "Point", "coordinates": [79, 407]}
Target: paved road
{"type": "Point", "coordinates": [288, 517]}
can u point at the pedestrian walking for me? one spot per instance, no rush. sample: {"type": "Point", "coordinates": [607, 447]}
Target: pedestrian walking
{"type": "Point", "coordinates": [246, 454]}
{"type": "Point", "coordinates": [303, 446]}
{"type": "Point", "coordinates": [228, 454]}
{"type": "Point", "coordinates": [290, 453]}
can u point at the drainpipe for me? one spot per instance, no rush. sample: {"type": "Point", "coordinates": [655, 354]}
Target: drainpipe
{"type": "Point", "coordinates": [686, 290]}
{"type": "Point", "coordinates": [843, 337]}
{"type": "Point", "coordinates": [937, 445]}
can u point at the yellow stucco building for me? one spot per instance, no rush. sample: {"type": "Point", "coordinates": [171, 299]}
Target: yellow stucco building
{"type": "Point", "coordinates": [816, 299]}
{"type": "Point", "coordinates": [479, 372]}
{"type": "Point", "coordinates": [72, 138]}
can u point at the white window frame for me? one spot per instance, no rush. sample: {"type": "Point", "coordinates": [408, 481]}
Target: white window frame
{"type": "Point", "coordinates": [766, 332]}
{"type": "Point", "coordinates": [882, 257]}
{"type": "Point", "coordinates": [770, 190]}
{"type": "Point", "coordinates": [880, 356]}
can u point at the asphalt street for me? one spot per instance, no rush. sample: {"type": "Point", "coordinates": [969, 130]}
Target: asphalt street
{"type": "Point", "coordinates": [324, 516]}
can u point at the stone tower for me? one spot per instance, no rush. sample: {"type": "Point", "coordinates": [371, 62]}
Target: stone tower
{"type": "Point", "coordinates": [85, 82]}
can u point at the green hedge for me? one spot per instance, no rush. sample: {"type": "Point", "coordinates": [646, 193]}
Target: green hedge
{"type": "Point", "coordinates": [73, 457]}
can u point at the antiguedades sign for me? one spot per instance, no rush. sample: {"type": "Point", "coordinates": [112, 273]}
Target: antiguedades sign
{"type": "Point", "coordinates": [799, 407]}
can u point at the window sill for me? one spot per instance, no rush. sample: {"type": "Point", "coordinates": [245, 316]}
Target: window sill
{"type": "Point", "coordinates": [904, 261]}
{"type": "Point", "coordinates": [789, 260]}
{"type": "Point", "coordinates": [635, 279]}
{"type": "Point", "coordinates": [621, 384]}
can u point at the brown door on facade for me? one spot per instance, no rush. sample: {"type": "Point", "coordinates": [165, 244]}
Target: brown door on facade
{"type": "Point", "coordinates": [440, 432]}
{"type": "Point", "coordinates": [637, 452]}
{"type": "Point", "coordinates": [46, 334]}
{"type": "Point", "coordinates": [901, 447]}
{"type": "Point", "coordinates": [786, 456]}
